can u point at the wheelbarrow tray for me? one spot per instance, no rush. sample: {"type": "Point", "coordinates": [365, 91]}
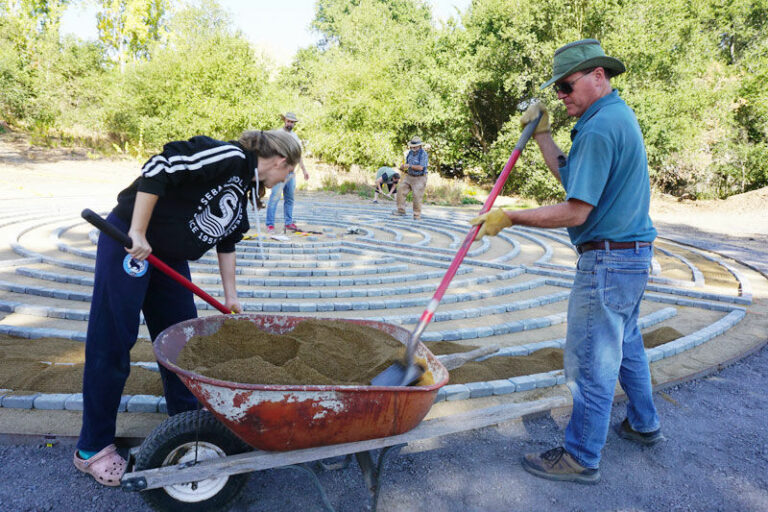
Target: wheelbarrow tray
{"type": "Point", "coordinates": [292, 417]}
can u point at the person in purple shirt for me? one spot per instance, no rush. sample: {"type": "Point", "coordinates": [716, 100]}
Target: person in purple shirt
{"type": "Point", "coordinates": [605, 177]}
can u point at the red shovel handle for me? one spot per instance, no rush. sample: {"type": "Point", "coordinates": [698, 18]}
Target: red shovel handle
{"type": "Point", "coordinates": [105, 227]}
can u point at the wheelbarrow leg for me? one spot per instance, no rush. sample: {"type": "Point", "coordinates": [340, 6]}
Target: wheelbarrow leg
{"type": "Point", "coordinates": [335, 464]}
{"type": "Point", "coordinates": [373, 472]}
{"type": "Point", "coordinates": [303, 468]}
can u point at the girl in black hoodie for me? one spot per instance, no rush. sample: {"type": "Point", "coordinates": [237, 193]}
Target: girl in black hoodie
{"type": "Point", "coordinates": [189, 198]}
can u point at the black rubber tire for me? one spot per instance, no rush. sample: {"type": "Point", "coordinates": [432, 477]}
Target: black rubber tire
{"type": "Point", "coordinates": [177, 431]}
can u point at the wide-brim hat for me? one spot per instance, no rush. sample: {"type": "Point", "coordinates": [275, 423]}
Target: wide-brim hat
{"type": "Point", "coordinates": [580, 55]}
{"type": "Point", "coordinates": [415, 142]}
{"type": "Point", "coordinates": [290, 116]}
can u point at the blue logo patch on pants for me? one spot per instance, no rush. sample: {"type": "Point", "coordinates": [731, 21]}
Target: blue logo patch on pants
{"type": "Point", "coordinates": [134, 268]}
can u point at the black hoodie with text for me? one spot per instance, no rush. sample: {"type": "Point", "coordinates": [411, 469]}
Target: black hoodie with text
{"type": "Point", "coordinates": [202, 185]}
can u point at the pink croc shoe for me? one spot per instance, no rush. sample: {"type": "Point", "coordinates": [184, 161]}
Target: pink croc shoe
{"type": "Point", "coordinates": [107, 466]}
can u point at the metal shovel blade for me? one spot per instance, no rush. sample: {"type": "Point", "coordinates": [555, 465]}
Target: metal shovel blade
{"type": "Point", "coordinates": [399, 374]}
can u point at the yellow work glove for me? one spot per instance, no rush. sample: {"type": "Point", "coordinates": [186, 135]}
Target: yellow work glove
{"type": "Point", "coordinates": [492, 222]}
{"type": "Point", "coordinates": [532, 113]}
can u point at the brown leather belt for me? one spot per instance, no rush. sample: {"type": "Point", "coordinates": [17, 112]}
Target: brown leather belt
{"type": "Point", "coordinates": [598, 245]}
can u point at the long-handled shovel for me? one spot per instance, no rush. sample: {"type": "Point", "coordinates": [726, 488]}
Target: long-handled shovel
{"type": "Point", "coordinates": [119, 236]}
{"type": "Point", "coordinates": [406, 372]}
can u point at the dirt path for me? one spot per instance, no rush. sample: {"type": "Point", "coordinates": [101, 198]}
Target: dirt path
{"type": "Point", "coordinates": [738, 226]}
{"type": "Point", "coordinates": [30, 172]}
{"type": "Point", "coordinates": [741, 218]}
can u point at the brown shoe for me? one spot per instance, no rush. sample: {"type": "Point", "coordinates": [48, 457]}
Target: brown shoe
{"type": "Point", "coordinates": [558, 464]}
{"type": "Point", "coordinates": [626, 431]}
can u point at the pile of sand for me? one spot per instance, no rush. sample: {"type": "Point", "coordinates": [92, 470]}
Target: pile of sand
{"type": "Point", "coordinates": [316, 352]}
{"type": "Point", "coordinates": [541, 361]}
{"type": "Point", "coordinates": [55, 365]}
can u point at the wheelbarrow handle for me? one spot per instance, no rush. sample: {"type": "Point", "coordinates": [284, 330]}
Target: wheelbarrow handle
{"type": "Point", "coordinates": [105, 227]}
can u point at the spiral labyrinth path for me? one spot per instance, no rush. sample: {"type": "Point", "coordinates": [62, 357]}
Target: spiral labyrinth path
{"type": "Point", "coordinates": [511, 290]}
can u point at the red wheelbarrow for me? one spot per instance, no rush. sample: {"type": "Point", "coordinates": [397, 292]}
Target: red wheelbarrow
{"type": "Point", "coordinates": [200, 460]}
{"type": "Point", "coordinates": [291, 417]}
{"type": "Point", "coordinates": [240, 417]}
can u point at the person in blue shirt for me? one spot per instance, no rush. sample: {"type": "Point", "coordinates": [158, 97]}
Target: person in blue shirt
{"type": "Point", "coordinates": [415, 180]}
{"type": "Point", "coordinates": [605, 177]}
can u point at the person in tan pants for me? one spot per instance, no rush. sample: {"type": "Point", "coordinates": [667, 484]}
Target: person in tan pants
{"type": "Point", "coordinates": [415, 179]}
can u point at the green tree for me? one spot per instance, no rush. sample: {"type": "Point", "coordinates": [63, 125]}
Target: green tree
{"type": "Point", "coordinates": [383, 72]}
{"type": "Point", "coordinates": [367, 79]}
{"type": "Point", "coordinates": [127, 27]}
{"type": "Point", "coordinates": [206, 79]}
{"type": "Point", "coordinates": [29, 33]}
{"type": "Point", "coordinates": [331, 16]}
{"type": "Point", "coordinates": [496, 63]}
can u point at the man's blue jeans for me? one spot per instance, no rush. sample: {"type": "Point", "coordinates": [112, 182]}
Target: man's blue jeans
{"type": "Point", "coordinates": [287, 189]}
{"type": "Point", "coordinates": [603, 343]}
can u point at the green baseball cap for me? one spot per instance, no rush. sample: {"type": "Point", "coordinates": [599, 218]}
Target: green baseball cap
{"type": "Point", "coordinates": [580, 55]}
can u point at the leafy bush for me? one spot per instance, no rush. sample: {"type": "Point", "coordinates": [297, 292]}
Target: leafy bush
{"type": "Point", "coordinates": [203, 81]}
{"type": "Point", "coordinates": [15, 83]}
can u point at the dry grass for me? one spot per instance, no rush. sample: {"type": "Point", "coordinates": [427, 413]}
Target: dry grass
{"type": "Point", "coordinates": [359, 181]}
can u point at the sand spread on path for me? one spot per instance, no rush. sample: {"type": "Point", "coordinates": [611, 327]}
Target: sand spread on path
{"type": "Point", "coordinates": [316, 352]}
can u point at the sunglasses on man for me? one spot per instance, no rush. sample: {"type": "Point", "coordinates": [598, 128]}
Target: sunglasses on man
{"type": "Point", "coordinates": [567, 87]}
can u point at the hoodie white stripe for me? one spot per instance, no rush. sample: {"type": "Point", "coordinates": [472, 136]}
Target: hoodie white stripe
{"type": "Point", "coordinates": [203, 154]}
{"type": "Point", "coordinates": [164, 165]}
{"type": "Point", "coordinates": [188, 158]}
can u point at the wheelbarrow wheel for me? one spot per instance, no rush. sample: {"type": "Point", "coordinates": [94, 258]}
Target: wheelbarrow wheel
{"type": "Point", "coordinates": [180, 439]}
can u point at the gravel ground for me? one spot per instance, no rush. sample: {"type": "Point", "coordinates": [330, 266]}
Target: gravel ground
{"type": "Point", "coordinates": [715, 459]}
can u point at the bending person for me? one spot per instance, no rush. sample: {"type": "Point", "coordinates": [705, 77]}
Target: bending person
{"type": "Point", "coordinates": [385, 176]}
{"type": "Point", "coordinates": [188, 199]}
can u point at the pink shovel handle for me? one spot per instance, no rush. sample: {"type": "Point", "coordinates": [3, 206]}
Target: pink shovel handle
{"type": "Point", "coordinates": [186, 283]}
{"type": "Point", "coordinates": [426, 316]}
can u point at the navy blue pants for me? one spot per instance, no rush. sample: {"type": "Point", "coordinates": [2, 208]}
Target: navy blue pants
{"type": "Point", "coordinates": [119, 294]}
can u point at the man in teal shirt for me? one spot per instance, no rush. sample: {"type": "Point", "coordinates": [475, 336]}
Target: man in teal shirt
{"type": "Point", "coordinates": [605, 177]}
{"type": "Point", "coordinates": [607, 168]}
